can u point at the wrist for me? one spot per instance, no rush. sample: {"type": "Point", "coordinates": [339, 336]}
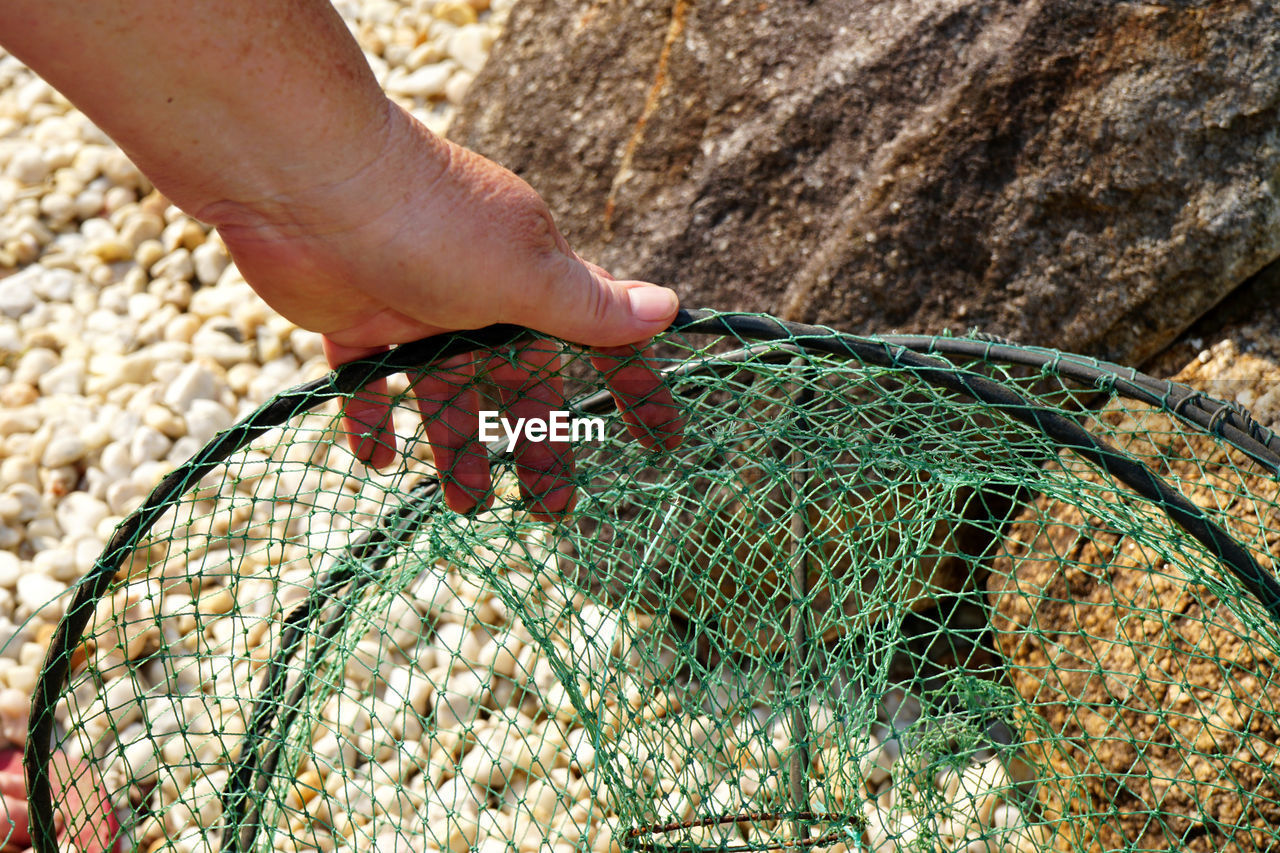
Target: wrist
{"type": "Point", "coordinates": [335, 184]}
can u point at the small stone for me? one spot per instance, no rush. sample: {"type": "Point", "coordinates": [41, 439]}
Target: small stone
{"type": "Point", "coordinates": [10, 571]}
{"type": "Point", "coordinates": [22, 250]}
{"type": "Point", "coordinates": [428, 81]}
{"type": "Point", "coordinates": [456, 12]}
{"type": "Point", "coordinates": [210, 260]}
{"type": "Point", "coordinates": [205, 418]}
{"type": "Point", "coordinates": [89, 204]}
{"type": "Point", "coordinates": [181, 233]}
{"type": "Point", "coordinates": [124, 496]}
{"type": "Point", "coordinates": [35, 590]}
{"type": "Point", "coordinates": [16, 394]}
{"type": "Point", "coordinates": [141, 227]}
{"type": "Point", "coordinates": [15, 709]}
{"type": "Point", "coordinates": [28, 165]}
{"type": "Point", "coordinates": [194, 382]}
{"type": "Point", "coordinates": [469, 45]}
{"type": "Point", "coordinates": [175, 293]}
{"type": "Point", "coordinates": [305, 344]}
{"type": "Point", "coordinates": [164, 421]}
{"type": "Point", "coordinates": [424, 54]}
{"type": "Point", "coordinates": [213, 342]}
{"type": "Point", "coordinates": [80, 513]}
{"type": "Point", "coordinates": [111, 251]}
{"type": "Point", "coordinates": [19, 471]}
{"type": "Point", "coordinates": [176, 265]}
{"type": "Point", "coordinates": [17, 294]}
{"type": "Point", "coordinates": [58, 564]}
{"type": "Point", "coordinates": [147, 253]}
{"type": "Point", "coordinates": [59, 207]}
{"type": "Point", "coordinates": [33, 364]}
{"type": "Point", "coordinates": [119, 170]}
{"type": "Point", "coordinates": [29, 502]}
{"type": "Point", "coordinates": [66, 448]}
{"type": "Point", "coordinates": [66, 378]}
{"type": "Point", "coordinates": [118, 199]}
{"type": "Point", "coordinates": [456, 89]}
{"type": "Point", "coordinates": [182, 328]}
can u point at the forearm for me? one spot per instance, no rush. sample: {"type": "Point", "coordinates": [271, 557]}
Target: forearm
{"type": "Point", "coordinates": [219, 102]}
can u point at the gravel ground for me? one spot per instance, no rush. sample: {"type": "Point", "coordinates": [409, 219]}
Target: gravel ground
{"type": "Point", "coordinates": [127, 340]}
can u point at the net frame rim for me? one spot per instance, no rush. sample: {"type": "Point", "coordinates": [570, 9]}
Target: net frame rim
{"type": "Point", "coordinates": [1227, 421]}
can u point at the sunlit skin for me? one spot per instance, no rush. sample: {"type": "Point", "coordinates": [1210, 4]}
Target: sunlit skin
{"type": "Point", "coordinates": [262, 118]}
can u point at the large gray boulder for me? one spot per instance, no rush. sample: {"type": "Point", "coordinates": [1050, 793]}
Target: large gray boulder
{"type": "Point", "coordinates": [1089, 174]}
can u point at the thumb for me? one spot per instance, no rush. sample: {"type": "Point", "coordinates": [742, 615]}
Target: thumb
{"type": "Point", "coordinates": [587, 306]}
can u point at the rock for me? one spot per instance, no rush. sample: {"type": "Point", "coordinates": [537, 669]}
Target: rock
{"type": "Point", "coordinates": [36, 590]}
{"type": "Point", "coordinates": [1067, 173]}
{"type": "Point", "coordinates": [457, 12]}
{"type": "Point", "coordinates": [175, 265]}
{"type": "Point", "coordinates": [34, 363]}
{"type": "Point", "coordinates": [427, 82]}
{"type": "Point", "coordinates": [65, 378]}
{"type": "Point", "coordinates": [205, 418]}
{"type": "Point", "coordinates": [17, 292]}
{"type": "Point", "coordinates": [54, 285]}
{"type": "Point", "coordinates": [147, 444]}
{"type": "Point", "coordinates": [28, 166]}
{"type": "Point", "coordinates": [196, 381]}
{"type": "Point", "coordinates": [17, 394]}
{"type": "Point", "coordinates": [213, 341]}
{"type": "Point", "coordinates": [148, 253]}
{"type": "Point", "coordinates": [469, 45]}
{"type": "Point", "coordinates": [456, 89]}
{"type": "Point", "coordinates": [58, 564]}
{"type": "Point", "coordinates": [1155, 689]}
{"type": "Point", "coordinates": [66, 448]}
{"type": "Point", "coordinates": [10, 569]}
{"type": "Point", "coordinates": [139, 228]}
{"type": "Point", "coordinates": [210, 261]}
{"type": "Point", "coordinates": [80, 513]}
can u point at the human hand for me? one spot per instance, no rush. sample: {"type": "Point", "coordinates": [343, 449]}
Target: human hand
{"type": "Point", "coordinates": [83, 812]}
{"type": "Point", "coordinates": [428, 237]}
{"type": "Point", "coordinates": [348, 216]}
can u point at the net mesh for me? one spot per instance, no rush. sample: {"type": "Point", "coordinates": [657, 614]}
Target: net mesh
{"type": "Point", "coordinates": [895, 594]}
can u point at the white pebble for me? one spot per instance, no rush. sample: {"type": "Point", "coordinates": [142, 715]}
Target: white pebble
{"type": "Point", "coordinates": [80, 513]}
{"type": "Point", "coordinates": [36, 590]}
{"type": "Point", "coordinates": [66, 448]}
{"type": "Point", "coordinates": [140, 228]}
{"type": "Point", "coordinates": [28, 165]}
{"type": "Point", "coordinates": [210, 260]}
{"type": "Point", "coordinates": [177, 265]}
{"type": "Point", "coordinates": [194, 382]}
{"type": "Point", "coordinates": [66, 378]}
{"type": "Point", "coordinates": [204, 418]}
{"type": "Point", "coordinates": [16, 294]}
{"type": "Point", "coordinates": [147, 444]}
{"type": "Point", "coordinates": [427, 82]}
{"type": "Point", "coordinates": [36, 362]}
{"type": "Point", "coordinates": [456, 89]}
{"type": "Point", "coordinates": [469, 45]}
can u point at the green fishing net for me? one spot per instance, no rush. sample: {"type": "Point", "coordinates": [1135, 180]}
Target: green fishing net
{"type": "Point", "coordinates": [889, 594]}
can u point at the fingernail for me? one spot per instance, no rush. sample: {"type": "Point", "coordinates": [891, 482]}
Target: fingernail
{"type": "Point", "coordinates": [652, 303]}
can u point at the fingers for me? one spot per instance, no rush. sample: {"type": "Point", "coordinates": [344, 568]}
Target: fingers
{"type": "Point", "coordinates": [647, 407]}
{"type": "Point", "coordinates": [90, 821]}
{"type": "Point", "coordinates": [367, 414]}
{"type": "Point", "coordinates": [14, 820]}
{"type": "Point", "coordinates": [583, 304]}
{"type": "Point", "coordinates": [448, 401]}
{"type": "Point", "coordinates": [534, 388]}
